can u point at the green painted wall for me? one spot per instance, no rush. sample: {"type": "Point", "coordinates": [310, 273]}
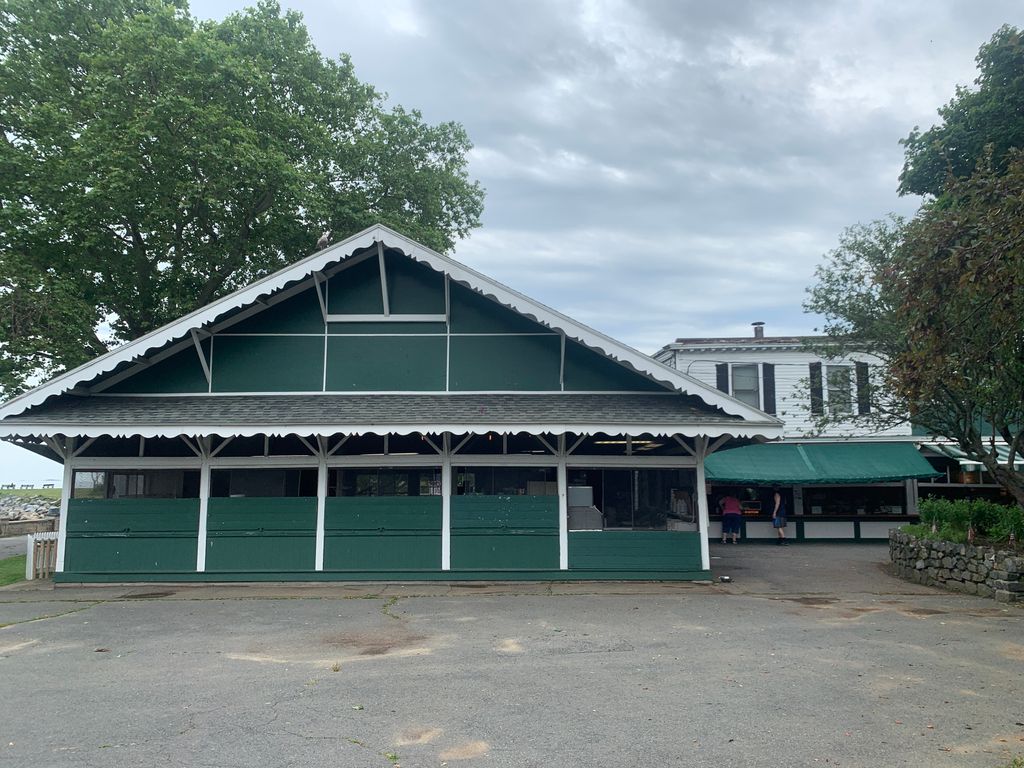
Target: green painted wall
{"type": "Point", "coordinates": [253, 535]}
{"type": "Point", "coordinates": [413, 288]}
{"type": "Point", "coordinates": [586, 370]}
{"type": "Point", "coordinates": [505, 363]}
{"type": "Point", "coordinates": [397, 327]}
{"type": "Point", "coordinates": [356, 290]}
{"type": "Point", "coordinates": [152, 536]}
{"type": "Point", "coordinates": [381, 363]}
{"type": "Point", "coordinates": [182, 372]}
{"type": "Point", "coordinates": [382, 533]}
{"type": "Point", "coordinates": [504, 532]}
{"type": "Point", "coordinates": [634, 550]}
{"type": "Point", "coordinates": [268, 363]}
{"type": "Point", "coordinates": [299, 314]}
{"type": "Point", "coordinates": [473, 313]}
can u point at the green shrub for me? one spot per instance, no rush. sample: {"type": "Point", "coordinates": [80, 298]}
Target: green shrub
{"type": "Point", "coordinates": [952, 518]}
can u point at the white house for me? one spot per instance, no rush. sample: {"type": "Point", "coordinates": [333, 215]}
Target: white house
{"type": "Point", "coordinates": [848, 481]}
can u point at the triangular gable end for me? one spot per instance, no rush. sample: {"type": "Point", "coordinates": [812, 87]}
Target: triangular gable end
{"type": "Point", "coordinates": [332, 323]}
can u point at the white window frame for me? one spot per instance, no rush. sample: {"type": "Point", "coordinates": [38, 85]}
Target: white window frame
{"type": "Point", "coordinates": [760, 382]}
{"type": "Point", "coordinates": [851, 377]}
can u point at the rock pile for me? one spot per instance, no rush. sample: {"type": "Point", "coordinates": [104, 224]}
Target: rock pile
{"type": "Point", "coordinates": [27, 507]}
{"type": "Point", "coordinates": [958, 567]}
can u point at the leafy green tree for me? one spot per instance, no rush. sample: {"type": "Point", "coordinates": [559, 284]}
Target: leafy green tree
{"type": "Point", "coordinates": [974, 119]}
{"type": "Point", "coordinates": [940, 299]}
{"type": "Point", "coordinates": [150, 162]}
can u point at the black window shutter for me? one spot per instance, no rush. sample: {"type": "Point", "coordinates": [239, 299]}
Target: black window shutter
{"type": "Point", "coordinates": [817, 395]}
{"type": "Point", "coordinates": [768, 380]}
{"type": "Point", "coordinates": [863, 389]}
{"type": "Point", "coordinates": [722, 377]}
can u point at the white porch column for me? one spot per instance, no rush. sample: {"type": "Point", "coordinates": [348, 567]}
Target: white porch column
{"type": "Point", "coordinates": [563, 513]}
{"type": "Point", "coordinates": [701, 444]}
{"type": "Point", "coordinates": [446, 502]}
{"type": "Point", "coordinates": [321, 510]}
{"type": "Point", "coordinates": [204, 503]}
{"type": "Point", "coordinates": [912, 491]}
{"type": "Point", "coordinates": [65, 498]}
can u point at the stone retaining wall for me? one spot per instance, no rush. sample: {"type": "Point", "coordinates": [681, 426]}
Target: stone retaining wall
{"type": "Point", "coordinates": [958, 567]}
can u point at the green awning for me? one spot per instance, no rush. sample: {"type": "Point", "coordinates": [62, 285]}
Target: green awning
{"type": "Point", "coordinates": [817, 463]}
{"type": "Point", "coordinates": [953, 452]}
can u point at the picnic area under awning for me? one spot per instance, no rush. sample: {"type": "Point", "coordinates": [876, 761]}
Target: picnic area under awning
{"type": "Point", "coordinates": [817, 463]}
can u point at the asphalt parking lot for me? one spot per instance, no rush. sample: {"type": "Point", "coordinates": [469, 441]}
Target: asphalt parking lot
{"type": "Point", "coordinates": [811, 656]}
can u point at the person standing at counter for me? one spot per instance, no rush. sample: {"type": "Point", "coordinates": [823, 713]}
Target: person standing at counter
{"type": "Point", "coordinates": [732, 515]}
{"type": "Point", "coordinates": [779, 516]}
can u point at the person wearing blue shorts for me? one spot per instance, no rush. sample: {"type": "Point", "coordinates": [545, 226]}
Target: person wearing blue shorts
{"type": "Point", "coordinates": [732, 516]}
{"type": "Point", "coordinates": [779, 517]}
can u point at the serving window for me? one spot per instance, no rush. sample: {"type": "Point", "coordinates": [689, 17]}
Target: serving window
{"type": "Point", "coordinates": [631, 499]}
{"type": "Point", "coordinates": [136, 484]}
{"type": "Point", "coordinates": [385, 481]}
{"type": "Point", "coordinates": [504, 481]}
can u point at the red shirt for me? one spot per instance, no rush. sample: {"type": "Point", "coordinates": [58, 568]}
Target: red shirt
{"type": "Point", "coordinates": [731, 506]}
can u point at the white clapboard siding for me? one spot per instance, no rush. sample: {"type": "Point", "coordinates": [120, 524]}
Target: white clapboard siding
{"type": "Point", "coordinates": [792, 394]}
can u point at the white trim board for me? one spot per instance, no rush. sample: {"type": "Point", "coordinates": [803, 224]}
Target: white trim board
{"type": "Point", "coordinates": [735, 429]}
{"type": "Point", "coordinates": [318, 262]}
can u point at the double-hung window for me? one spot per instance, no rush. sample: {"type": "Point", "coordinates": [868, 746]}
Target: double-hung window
{"type": "Point", "coordinates": [840, 389]}
{"type": "Point", "coordinates": [750, 383]}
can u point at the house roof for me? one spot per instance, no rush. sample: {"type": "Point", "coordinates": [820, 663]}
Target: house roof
{"type": "Point", "coordinates": [168, 416]}
{"type": "Point", "coordinates": [180, 330]}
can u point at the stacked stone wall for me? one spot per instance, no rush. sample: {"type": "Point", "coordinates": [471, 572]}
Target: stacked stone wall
{"type": "Point", "coordinates": [958, 567]}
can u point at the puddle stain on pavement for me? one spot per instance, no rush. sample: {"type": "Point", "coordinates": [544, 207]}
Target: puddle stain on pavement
{"type": "Point", "coordinates": [509, 645]}
{"type": "Point", "coordinates": [466, 751]}
{"type": "Point", "coordinates": [417, 736]}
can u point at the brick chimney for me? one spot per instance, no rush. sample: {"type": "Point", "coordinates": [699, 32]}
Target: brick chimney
{"type": "Point", "coordinates": [758, 329]}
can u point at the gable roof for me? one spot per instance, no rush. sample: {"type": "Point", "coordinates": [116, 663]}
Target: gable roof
{"type": "Point", "coordinates": [305, 269]}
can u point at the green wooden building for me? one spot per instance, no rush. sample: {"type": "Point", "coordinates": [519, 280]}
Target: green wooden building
{"type": "Point", "coordinates": [379, 411]}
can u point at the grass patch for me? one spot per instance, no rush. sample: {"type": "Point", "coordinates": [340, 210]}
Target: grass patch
{"type": "Point", "coordinates": [12, 569]}
{"type": "Point", "coordinates": [1017, 762]}
{"type": "Point", "coordinates": [46, 493]}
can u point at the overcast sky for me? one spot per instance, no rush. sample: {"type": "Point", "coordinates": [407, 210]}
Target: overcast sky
{"type": "Point", "coordinates": [665, 168]}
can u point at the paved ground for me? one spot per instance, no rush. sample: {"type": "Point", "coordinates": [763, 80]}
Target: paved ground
{"type": "Point", "coordinates": [12, 545]}
{"type": "Point", "coordinates": [811, 656]}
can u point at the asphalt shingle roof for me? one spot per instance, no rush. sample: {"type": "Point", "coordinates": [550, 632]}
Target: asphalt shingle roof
{"type": "Point", "coordinates": [282, 410]}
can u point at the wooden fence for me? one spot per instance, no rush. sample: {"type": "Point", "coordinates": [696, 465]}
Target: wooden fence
{"type": "Point", "coordinates": [42, 555]}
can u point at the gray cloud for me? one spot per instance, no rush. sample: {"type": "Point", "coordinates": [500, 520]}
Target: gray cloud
{"type": "Point", "coordinates": [666, 168]}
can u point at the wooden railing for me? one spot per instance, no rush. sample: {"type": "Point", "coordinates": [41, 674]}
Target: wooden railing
{"type": "Point", "coordinates": [42, 555]}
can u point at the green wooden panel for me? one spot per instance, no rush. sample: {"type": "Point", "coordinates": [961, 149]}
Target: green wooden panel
{"type": "Point", "coordinates": [504, 551]}
{"type": "Point", "coordinates": [382, 533]}
{"type": "Point", "coordinates": [387, 328]}
{"type": "Point", "coordinates": [299, 314]}
{"type": "Point", "coordinates": [259, 552]}
{"type": "Point", "coordinates": [254, 514]}
{"type": "Point", "coordinates": [472, 312]}
{"type": "Point", "coordinates": [356, 290]}
{"type": "Point", "coordinates": [513, 575]}
{"type": "Point", "coordinates": [498, 532]}
{"type": "Point", "coordinates": [590, 371]}
{"type": "Point", "coordinates": [413, 288]}
{"type": "Point", "coordinates": [383, 513]}
{"type": "Point", "coordinates": [383, 363]}
{"type": "Point", "coordinates": [364, 551]}
{"type": "Point", "coordinates": [182, 372]}
{"type": "Point", "coordinates": [505, 363]}
{"type": "Point", "coordinates": [133, 516]}
{"type": "Point", "coordinates": [135, 553]}
{"type": "Point", "coordinates": [634, 550]}
{"type": "Point", "coordinates": [268, 363]}
{"type": "Point", "coordinates": [526, 513]}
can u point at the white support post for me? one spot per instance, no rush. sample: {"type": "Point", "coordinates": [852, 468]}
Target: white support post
{"type": "Point", "coordinates": [204, 503]}
{"type": "Point", "coordinates": [321, 508]}
{"type": "Point", "coordinates": [701, 444]}
{"type": "Point", "coordinates": [912, 491]}
{"type": "Point", "coordinates": [446, 503]}
{"type": "Point", "coordinates": [30, 556]}
{"type": "Point", "coordinates": [65, 498]}
{"type": "Point", "coordinates": [563, 507]}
